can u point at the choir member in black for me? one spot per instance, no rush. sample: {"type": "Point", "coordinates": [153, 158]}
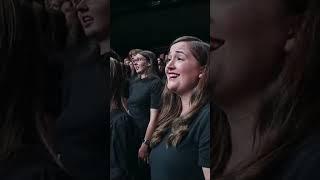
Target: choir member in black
{"type": "Point", "coordinates": [25, 109]}
{"type": "Point", "coordinates": [124, 137]}
{"type": "Point", "coordinates": [181, 141]}
{"type": "Point", "coordinates": [265, 76]}
{"type": "Point", "coordinates": [144, 100]}
{"type": "Point", "coordinates": [81, 139]}
{"type": "Point", "coordinates": [131, 54]}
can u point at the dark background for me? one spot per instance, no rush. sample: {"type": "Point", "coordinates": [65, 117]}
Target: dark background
{"type": "Point", "coordinates": [153, 25]}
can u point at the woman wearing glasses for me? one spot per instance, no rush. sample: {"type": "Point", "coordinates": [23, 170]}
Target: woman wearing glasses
{"type": "Point", "coordinates": [144, 99]}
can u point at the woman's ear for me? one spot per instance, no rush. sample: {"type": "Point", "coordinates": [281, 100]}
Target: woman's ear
{"type": "Point", "coordinates": [203, 71]}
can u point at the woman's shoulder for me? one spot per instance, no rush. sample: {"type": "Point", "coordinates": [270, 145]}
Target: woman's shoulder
{"type": "Point", "coordinates": [204, 111]}
{"type": "Point", "coordinates": [206, 108]}
{"type": "Point", "coordinates": [154, 78]}
{"type": "Point", "coordinates": [202, 117]}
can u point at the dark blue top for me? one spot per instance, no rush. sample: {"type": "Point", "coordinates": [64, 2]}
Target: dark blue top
{"type": "Point", "coordinates": [185, 161]}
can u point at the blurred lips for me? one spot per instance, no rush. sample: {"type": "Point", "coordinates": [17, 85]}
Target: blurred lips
{"type": "Point", "coordinates": [172, 75]}
{"type": "Point", "coordinates": [87, 20]}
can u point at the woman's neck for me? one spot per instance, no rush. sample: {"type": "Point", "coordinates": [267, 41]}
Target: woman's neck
{"type": "Point", "coordinates": [186, 105]}
{"type": "Point", "coordinates": [143, 75]}
{"type": "Point", "coordinates": [242, 117]}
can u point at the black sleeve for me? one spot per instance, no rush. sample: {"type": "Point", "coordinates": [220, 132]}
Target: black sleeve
{"type": "Point", "coordinates": [155, 94]}
{"type": "Point", "coordinates": [204, 140]}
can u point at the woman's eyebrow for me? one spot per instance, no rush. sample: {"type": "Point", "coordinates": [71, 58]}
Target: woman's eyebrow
{"type": "Point", "coordinates": [179, 51]}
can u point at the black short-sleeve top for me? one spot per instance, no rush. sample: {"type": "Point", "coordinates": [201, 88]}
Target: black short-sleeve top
{"type": "Point", "coordinates": [144, 94]}
{"type": "Point", "coordinates": [185, 161]}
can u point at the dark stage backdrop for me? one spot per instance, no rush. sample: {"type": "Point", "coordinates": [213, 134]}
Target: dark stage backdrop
{"type": "Point", "coordinates": [153, 25]}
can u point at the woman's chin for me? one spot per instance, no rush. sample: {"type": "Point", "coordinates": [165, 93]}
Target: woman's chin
{"type": "Point", "coordinates": [171, 88]}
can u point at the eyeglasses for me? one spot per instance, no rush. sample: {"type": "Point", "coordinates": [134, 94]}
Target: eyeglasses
{"type": "Point", "coordinates": [139, 59]}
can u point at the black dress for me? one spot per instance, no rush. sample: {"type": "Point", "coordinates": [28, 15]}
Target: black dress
{"type": "Point", "coordinates": [185, 161]}
{"type": "Point", "coordinates": [123, 146]}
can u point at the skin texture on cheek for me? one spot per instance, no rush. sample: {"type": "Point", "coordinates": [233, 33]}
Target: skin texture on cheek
{"type": "Point", "coordinates": [188, 78]}
{"type": "Point", "coordinates": [142, 67]}
{"type": "Point", "coordinates": [254, 34]}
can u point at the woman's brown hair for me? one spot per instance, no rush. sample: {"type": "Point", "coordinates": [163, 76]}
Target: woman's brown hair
{"type": "Point", "coordinates": [169, 118]}
{"type": "Point", "coordinates": [133, 52]}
